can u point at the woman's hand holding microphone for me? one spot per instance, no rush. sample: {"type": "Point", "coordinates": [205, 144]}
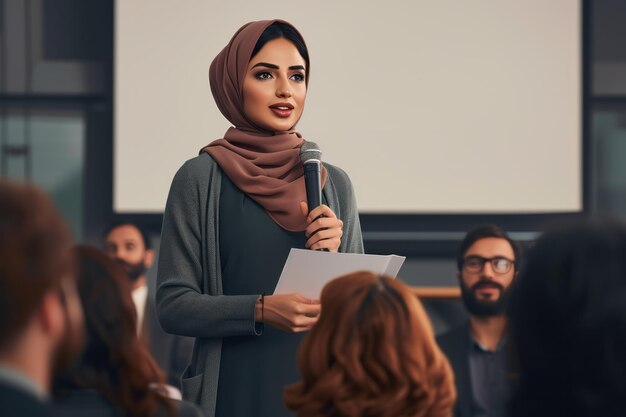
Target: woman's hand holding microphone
{"type": "Point", "coordinates": [324, 230]}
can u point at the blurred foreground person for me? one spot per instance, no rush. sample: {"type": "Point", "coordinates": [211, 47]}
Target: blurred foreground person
{"type": "Point", "coordinates": [372, 353]}
{"type": "Point", "coordinates": [40, 316]}
{"type": "Point", "coordinates": [116, 375]}
{"type": "Point", "coordinates": [568, 322]}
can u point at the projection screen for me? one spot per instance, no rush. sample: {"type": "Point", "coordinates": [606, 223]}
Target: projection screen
{"type": "Point", "coordinates": [442, 106]}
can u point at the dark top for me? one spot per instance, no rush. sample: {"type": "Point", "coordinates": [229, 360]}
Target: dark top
{"type": "Point", "coordinates": [490, 383]}
{"type": "Point", "coordinates": [16, 402]}
{"type": "Point", "coordinates": [253, 249]}
{"type": "Point", "coordinates": [475, 370]}
{"type": "Point", "coordinates": [79, 403]}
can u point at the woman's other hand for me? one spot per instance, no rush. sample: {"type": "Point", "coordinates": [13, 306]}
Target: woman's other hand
{"type": "Point", "coordinates": [323, 232]}
{"type": "Point", "coordinates": [291, 313]}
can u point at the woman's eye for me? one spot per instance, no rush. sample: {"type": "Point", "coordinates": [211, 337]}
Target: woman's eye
{"type": "Point", "coordinates": [264, 75]}
{"type": "Point", "coordinates": [298, 77]}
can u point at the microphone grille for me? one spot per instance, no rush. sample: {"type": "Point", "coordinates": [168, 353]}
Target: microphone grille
{"type": "Point", "coordinates": [310, 151]}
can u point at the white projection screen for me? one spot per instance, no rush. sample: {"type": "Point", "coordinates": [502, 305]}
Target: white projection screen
{"type": "Point", "coordinates": [431, 106]}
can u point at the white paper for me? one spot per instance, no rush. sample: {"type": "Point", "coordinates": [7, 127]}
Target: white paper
{"type": "Point", "coordinates": [307, 271]}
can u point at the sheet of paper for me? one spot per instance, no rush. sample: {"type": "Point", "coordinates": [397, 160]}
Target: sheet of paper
{"type": "Point", "coordinates": [307, 271]}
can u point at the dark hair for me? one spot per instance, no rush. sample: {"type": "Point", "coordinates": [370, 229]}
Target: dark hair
{"type": "Point", "coordinates": [283, 30]}
{"type": "Point", "coordinates": [372, 353]}
{"type": "Point", "coordinates": [486, 231]}
{"type": "Point", "coordinates": [115, 362]}
{"type": "Point", "coordinates": [35, 254]}
{"type": "Point", "coordinates": [141, 229]}
{"type": "Point", "coordinates": [567, 318]}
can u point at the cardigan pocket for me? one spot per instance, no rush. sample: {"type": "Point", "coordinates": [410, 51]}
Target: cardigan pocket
{"type": "Point", "coordinates": [192, 387]}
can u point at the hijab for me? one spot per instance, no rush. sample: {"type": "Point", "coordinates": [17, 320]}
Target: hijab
{"type": "Point", "coordinates": [263, 164]}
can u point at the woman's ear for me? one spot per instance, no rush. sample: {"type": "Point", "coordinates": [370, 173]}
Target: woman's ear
{"type": "Point", "coordinates": [148, 259]}
{"type": "Point", "coordinates": [51, 315]}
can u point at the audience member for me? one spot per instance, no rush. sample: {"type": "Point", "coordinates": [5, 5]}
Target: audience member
{"type": "Point", "coordinates": [116, 375]}
{"type": "Point", "coordinates": [488, 262]}
{"type": "Point", "coordinates": [40, 316]}
{"type": "Point", "coordinates": [372, 353]}
{"type": "Point", "coordinates": [129, 245]}
{"type": "Point", "coordinates": [568, 323]}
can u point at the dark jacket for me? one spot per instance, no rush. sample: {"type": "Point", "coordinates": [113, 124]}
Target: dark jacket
{"type": "Point", "coordinates": [496, 373]}
{"type": "Point", "coordinates": [456, 345]}
{"type": "Point", "coordinates": [91, 403]}
{"type": "Point", "coordinates": [15, 402]}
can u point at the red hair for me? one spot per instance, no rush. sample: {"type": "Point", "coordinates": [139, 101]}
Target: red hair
{"type": "Point", "coordinates": [371, 354]}
{"type": "Point", "coordinates": [115, 362]}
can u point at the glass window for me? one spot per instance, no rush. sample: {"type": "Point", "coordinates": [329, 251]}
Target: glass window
{"type": "Point", "coordinates": [46, 146]}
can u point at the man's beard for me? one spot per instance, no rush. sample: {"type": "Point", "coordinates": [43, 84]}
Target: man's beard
{"type": "Point", "coordinates": [134, 271]}
{"type": "Point", "coordinates": [484, 308]}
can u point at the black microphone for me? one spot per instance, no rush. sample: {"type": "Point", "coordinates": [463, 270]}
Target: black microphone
{"type": "Point", "coordinates": [311, 158]}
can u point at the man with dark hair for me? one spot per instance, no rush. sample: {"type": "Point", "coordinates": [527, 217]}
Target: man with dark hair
{"type": "Point", "coordinates": [129, 245]}
{"type": "Point", "coordinates": [40, 314]}
{"type": "Point", "coordinates": [488, 263]}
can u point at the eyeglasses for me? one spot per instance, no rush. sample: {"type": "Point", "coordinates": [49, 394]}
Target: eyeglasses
{"type": "Point", "coordinates": [500, 264]}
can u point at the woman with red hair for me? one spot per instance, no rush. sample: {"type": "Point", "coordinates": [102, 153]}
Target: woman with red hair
{"type": "Point", "coordinates": [371, 354]}
{"type": "Point", "coordinates": [116, 375]}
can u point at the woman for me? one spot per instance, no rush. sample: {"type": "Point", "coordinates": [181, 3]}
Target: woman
{"type": "Point", "coordinates": [232, 216]}
{"type": "Point", "coordinates": [568, 319]}
{"type": "Point", "coordinates": [371, 354]}
{"type": "Point", "coordinates": [116, 376]}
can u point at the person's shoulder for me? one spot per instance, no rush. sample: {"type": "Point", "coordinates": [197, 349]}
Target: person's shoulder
{"type": "Point", "coordinates": [195, 173]}
{"type": "Point", "coordinates": [336, 172]}
{"type": "Point", "coordinates": [200, 164]}
{"type": "Point", "coordinates": [16, 402]}
{"type": "Point", "coordinates": [84, 402]}
{"type": "Point", "coordinates": [452, 336]}
{"type": "Point", "coordinates": [338, 177]}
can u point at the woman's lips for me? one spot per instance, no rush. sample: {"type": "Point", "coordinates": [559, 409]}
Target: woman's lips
{"type": "Point", "coordinates": [282, 110]}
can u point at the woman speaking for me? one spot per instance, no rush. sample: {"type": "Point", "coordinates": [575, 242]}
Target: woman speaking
{"type": "Point", "coordinates": [233, 214]}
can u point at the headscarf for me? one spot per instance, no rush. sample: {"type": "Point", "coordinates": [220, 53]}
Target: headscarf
{"type": "Point", "coordinates": [264, 165]}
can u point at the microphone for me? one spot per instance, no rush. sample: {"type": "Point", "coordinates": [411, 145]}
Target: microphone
{"type": "Point", "coordinates": [311, 158]}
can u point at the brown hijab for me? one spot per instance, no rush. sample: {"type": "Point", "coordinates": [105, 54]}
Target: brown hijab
{"type": "Point", "coordinates": [265, 165]}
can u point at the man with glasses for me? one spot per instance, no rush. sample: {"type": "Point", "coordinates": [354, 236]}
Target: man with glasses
{"type": "Point", "coordinates": [487, 262]}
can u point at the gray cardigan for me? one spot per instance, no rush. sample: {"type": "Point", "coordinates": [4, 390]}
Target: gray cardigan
{"type": "Point", "coordinates": [190, 300]}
